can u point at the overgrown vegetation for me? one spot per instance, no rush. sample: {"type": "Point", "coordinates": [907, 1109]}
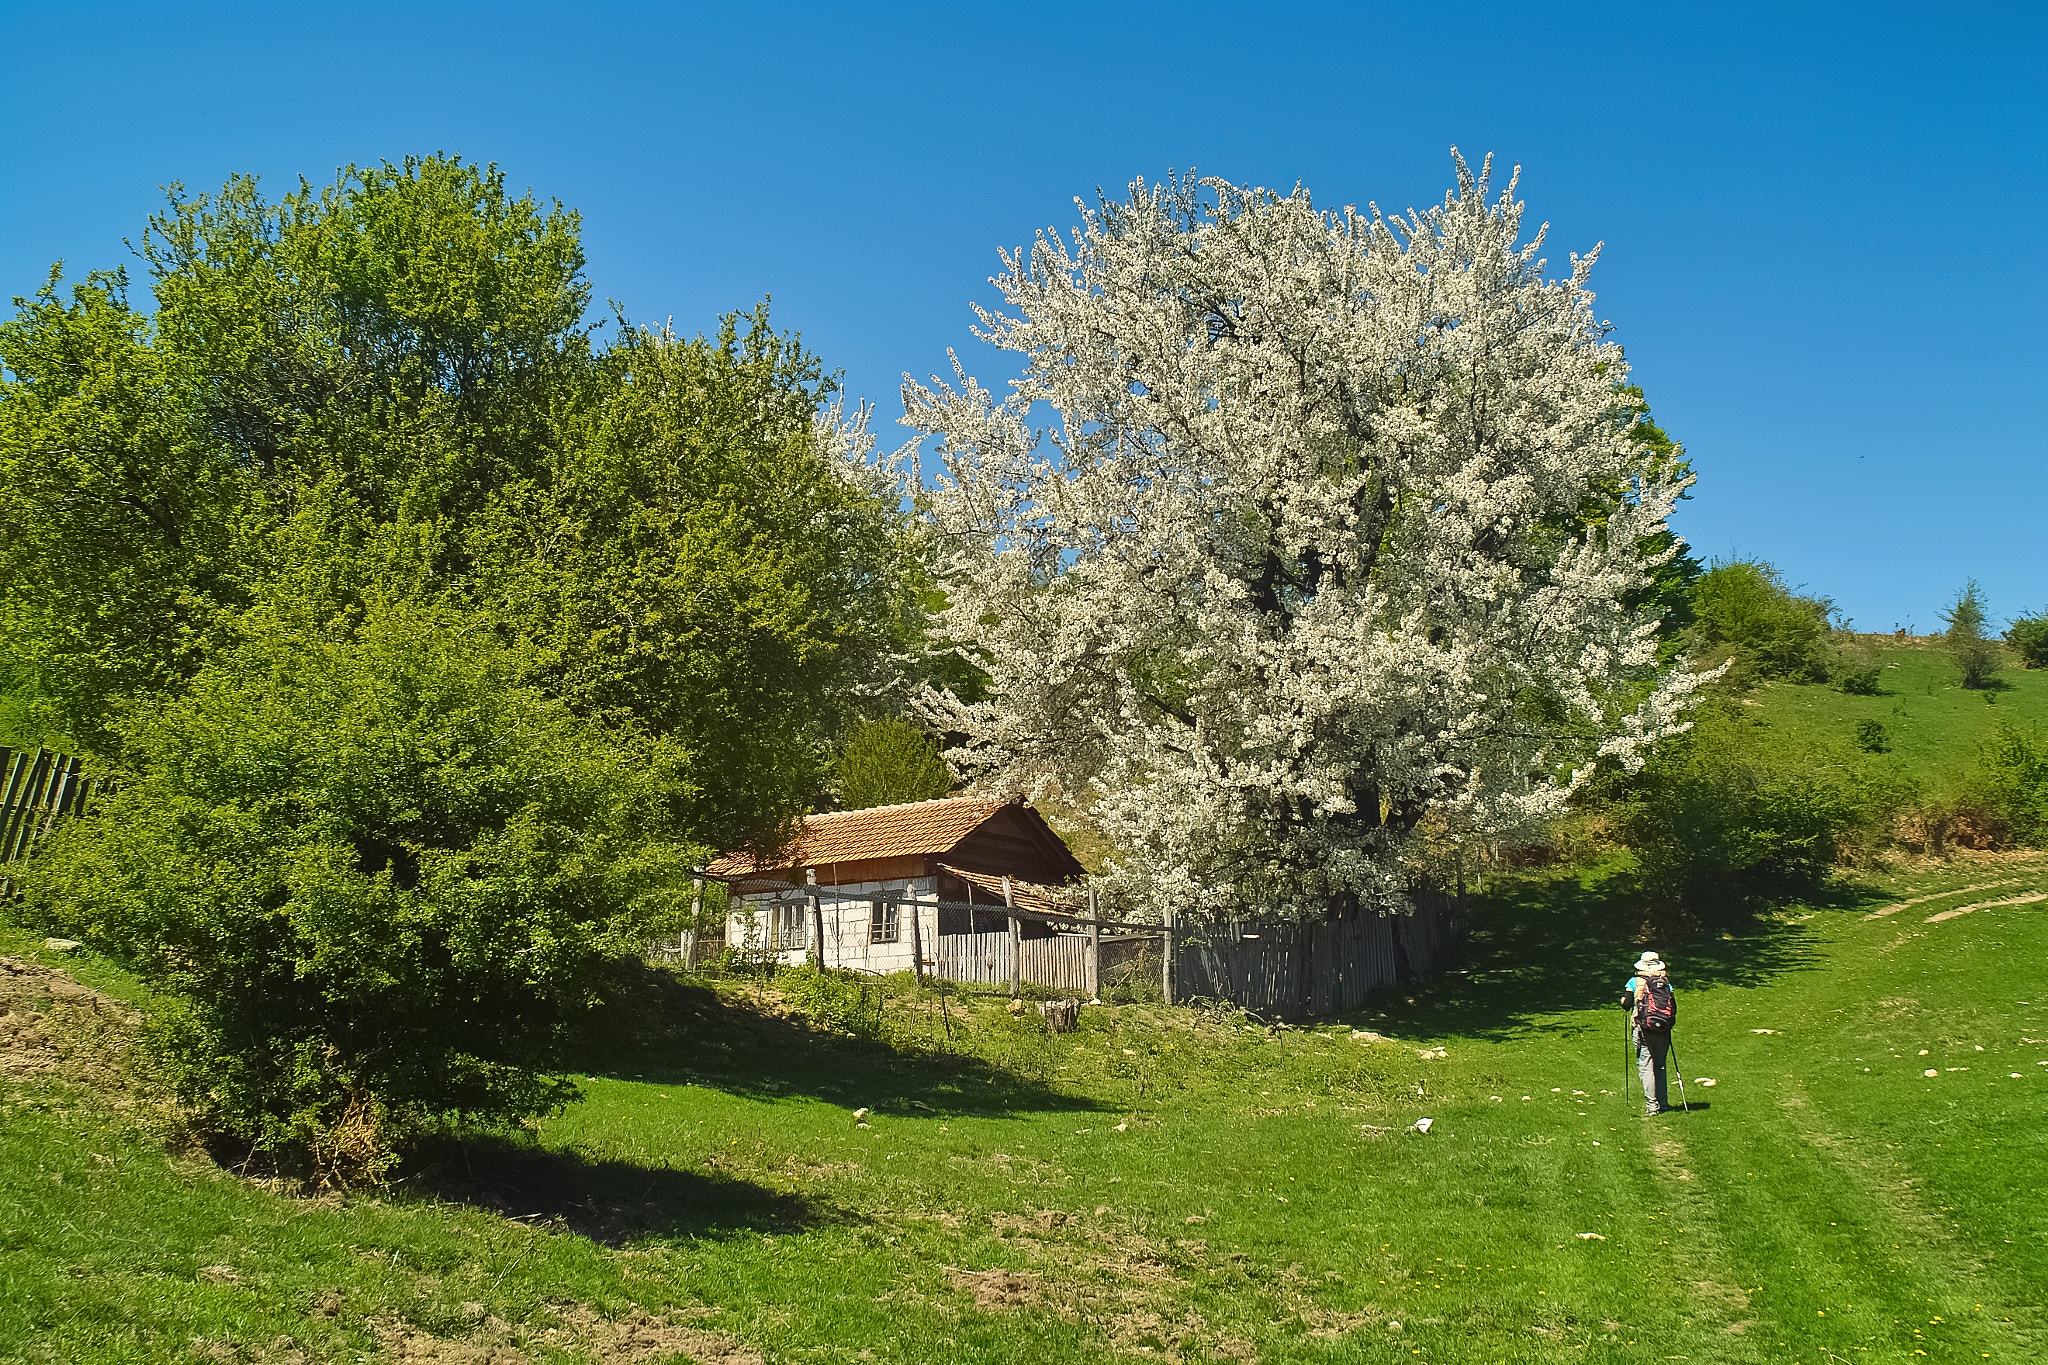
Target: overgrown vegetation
{"type": "Point", "coordinates": [2028, 636]}
{"type": "Point", "coordinates": [381, 876]}
{"type": "Point", "coordinates": [395, 598]}
{"type": "Point", "coordinates": [1727, 818]}
{"type": "Point", "coordinates": [1743, 613]}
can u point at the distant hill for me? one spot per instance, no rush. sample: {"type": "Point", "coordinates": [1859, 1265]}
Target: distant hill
{"type": "Point", "coordinates": [1933, 726]}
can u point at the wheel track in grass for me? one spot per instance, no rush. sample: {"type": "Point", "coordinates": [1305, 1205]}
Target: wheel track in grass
{"type": "Point", "coordinates": [1930, 1248]}
{"type": "Point", "coordinates": [1705, 1269]}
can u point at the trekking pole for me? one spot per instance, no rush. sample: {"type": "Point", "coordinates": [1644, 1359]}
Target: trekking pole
{"type": "Point", "coordinates": [1627, 1056]}
{"type": "Point", "coordinates": [1679, 1071]}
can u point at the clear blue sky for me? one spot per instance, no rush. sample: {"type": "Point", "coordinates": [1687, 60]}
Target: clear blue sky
{"type": "Point", "coordinates": [1824, 225]}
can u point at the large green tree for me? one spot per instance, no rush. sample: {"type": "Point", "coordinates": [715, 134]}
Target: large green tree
{"type": "Point", "coordinates": [404, 607]}
{"type": "Point", "coordinates": [681, 534]}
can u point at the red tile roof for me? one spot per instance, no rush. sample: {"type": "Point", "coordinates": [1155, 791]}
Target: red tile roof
{"type": "Point", "coordinates": [848, 836]}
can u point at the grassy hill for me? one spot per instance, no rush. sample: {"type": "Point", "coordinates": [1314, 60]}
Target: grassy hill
{"type": "Point", "coordinates": [1160, 1184]}
{"type": "Point", "coordinates": [1933, 726]}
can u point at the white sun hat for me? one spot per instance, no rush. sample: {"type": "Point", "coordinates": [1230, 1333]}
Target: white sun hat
{"type": "Point", "coordinates": [1649, 962]}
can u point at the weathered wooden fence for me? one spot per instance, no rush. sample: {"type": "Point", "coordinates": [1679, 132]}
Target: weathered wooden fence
{"type": "Point", "coordinates": [1293, 969]}
{"type": "Point", "coordinates": [1059, 962]}
{"type": "Point", "coordinates": [40, 787]}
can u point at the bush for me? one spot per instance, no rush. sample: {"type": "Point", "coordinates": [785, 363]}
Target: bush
{"type": "Point", "coordinates": [1743, 609]}
{"type": "Point", "coordinates": [2012, 780]}
{"type": "Point", "coordinates": [1872, 738]}
{"type": "Point", "coordinates": [2028, 636]}
{"type": "Point", "coordinates": [382, 879]}
{"type": "Point", "coordinates": [1724, 817]}
{"type": "Point", "coordinates": [886, 762]}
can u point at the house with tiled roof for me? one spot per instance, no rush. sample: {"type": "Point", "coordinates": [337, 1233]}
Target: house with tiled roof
{"type": "Point", "coordinates": [876, 884]}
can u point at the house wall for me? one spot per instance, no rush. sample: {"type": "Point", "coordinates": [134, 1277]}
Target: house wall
{"type": "Point", "coordinates": [847, 916]}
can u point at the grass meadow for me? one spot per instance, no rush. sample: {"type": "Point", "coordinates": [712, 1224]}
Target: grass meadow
{"type": "Point", "coordinates": [1933, 726]}
{"type": "Point", "coordinates": [1158, 1185]}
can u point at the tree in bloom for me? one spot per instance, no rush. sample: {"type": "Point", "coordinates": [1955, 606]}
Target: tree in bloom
{"type": "Point", "coordinates": [1343, 530]}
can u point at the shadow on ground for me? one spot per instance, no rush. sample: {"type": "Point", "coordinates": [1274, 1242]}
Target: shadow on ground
{"type": "Point", "coordinates": [671, 1030]}
{"type": "Point", "coordinates": [1545, 945]}
{"type": "Point", "coordinates": [611, 1202]}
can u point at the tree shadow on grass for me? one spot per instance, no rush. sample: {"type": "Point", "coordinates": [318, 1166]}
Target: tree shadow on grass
{"type": "Point", "coordinates": [1541, 947]}
{"type": "Point", "coordinates": [672, 1030]}
{"type": "Point", "coordinates": [614, 1203]}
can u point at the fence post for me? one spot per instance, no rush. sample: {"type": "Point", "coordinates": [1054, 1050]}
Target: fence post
{"type": "Point", "coordinates": [817, 918]}
{"type": "Point", "coordinates": [1166, 956]}
{"type": "Point", "coordinates": [916, 933]}
{"type": "Point", "coordinates": [696, 922]}
{"type": "Point", "coordinates": [1016, 943]}
{"type": "Point", "coordinates": [1094, 967]}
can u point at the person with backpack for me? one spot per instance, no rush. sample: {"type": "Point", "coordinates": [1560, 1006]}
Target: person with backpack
{"type": "Point", "coordinates": [1653, 1010]}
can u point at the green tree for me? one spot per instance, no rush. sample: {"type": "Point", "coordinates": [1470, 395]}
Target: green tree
{"type": "Point", "coordinates": [399, 601]}
{"type": "Point", "coordinates": [381, 875]}
{"type": "Point", "coordinates": [125, 528]}
{"type": "Point", "coordinates": [1975, 654]}
{"type": "Point", "coordinates": [1725, 817]}
{"type": "Point", "coordinates": [1744, 610]}
{"type": "Point", "coordinates": [686, 534]}
{"type": "Point", "coordinates": [885, 762]}
{"type": "Point", "coordinates": [2028, 636]}
{"type": "Point", "coordinates": [2012, 778]}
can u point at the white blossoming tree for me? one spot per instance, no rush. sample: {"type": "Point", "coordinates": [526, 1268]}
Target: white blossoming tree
{"type": "Point", "coordinates": [1340, 530]}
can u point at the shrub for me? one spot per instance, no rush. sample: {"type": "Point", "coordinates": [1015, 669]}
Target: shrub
{"type": "Point", "coordinates": [2012, 779]}
{"type": "Point", "coordinates": [886, 762]}
{"type": "Point", "coordinates": [1872, 738]}
{"type": "Point", "coordinates": [1743, 609]}
{"type": "Point", "coordinates": [381, 879]}
{"type": "Point", "coordinates": [2028, 636]}
{"type": "Point", "coordinates": [1976, 656]}
{"type": "Point", "coordinates": [1724, 817]}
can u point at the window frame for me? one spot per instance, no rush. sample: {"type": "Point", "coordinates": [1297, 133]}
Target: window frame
{"type": "Point", "coordinates": [885, 920]}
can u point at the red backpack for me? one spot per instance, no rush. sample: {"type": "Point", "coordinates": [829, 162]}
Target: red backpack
{"type": "Point", "coordinates": [1657, 1007]}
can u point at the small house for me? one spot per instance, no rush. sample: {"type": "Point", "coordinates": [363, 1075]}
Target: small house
{"type": "Point", "coordinates": [876, 883]}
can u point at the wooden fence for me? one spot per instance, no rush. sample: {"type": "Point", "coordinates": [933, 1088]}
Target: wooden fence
{"type": "Point", "coordinates": [1059, 962]}
{"type": "Point", "coordinates": [39, 788]}
{"type": "Point", "coordinates": [1291, 969]}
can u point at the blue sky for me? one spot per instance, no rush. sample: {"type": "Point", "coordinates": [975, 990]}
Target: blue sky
{"type": "Point", "coordinates": [1824, 224]}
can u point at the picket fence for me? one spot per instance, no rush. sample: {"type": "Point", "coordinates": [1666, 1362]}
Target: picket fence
{"type": "Point", "coordinates": [40, 787]}
{"type": "Point", "coordinates": [1290, 970]}
{"type": "Point", "coordinates": [1059, 962]}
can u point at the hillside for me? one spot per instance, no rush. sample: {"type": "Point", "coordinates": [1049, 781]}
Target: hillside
{"type": "Point", "coordinates": [1934, 727]}
{"type": "Point", "coordinates": [1159, 1184]}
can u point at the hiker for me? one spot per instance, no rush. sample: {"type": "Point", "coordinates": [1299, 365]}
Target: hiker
{"type": "Point", "coordinates": [1652, 1011]}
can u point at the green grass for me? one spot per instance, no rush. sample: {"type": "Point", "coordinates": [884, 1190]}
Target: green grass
{"type": "Point", "coordinates": [1934, 726]}
{"type": "Point", "coordinates": [1262, 1199]}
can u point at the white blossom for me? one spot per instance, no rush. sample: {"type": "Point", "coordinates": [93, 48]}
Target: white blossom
{"type": "Point", "coordinates": [1336, 528]}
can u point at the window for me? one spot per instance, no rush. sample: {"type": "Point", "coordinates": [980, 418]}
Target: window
{"type": "Point", "coordinates": [882, 922]}
{"type": "Point", "coordinates": [789, 925]}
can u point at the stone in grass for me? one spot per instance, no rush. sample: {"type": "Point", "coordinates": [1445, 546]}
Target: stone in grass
{"type": "Point", "coordinates": [61, 945]}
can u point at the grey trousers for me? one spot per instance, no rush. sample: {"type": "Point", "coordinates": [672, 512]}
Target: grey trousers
{"type": "Point", "coordinates": [1650, 1052]}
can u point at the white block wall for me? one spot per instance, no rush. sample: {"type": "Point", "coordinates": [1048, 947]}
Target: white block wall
{"type": "Point", "coordinates": [847, 924]}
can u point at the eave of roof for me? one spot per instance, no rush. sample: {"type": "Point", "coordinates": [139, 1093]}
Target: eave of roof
{"type": "Point", "coordinates": [850, 836]}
